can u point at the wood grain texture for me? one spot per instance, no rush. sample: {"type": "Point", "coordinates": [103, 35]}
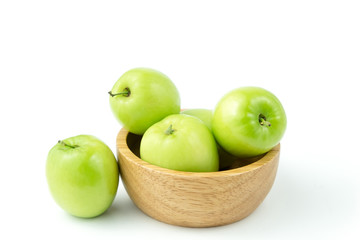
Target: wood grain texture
{"type": "Point", "coordinates": [194, 199]}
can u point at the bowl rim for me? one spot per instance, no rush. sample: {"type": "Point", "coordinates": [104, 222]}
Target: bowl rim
{"type": "Point", "coordinates": [123, 149]}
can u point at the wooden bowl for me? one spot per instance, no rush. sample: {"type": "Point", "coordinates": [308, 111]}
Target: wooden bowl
{"type": "Point", "coordinates": [194, 199]}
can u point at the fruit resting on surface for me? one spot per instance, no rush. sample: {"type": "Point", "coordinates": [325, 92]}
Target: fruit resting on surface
{"type": "Point", "coordinates": [82, 175]}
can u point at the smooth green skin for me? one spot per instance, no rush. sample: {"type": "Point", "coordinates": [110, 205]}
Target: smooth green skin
{"type": "Point", "coordinates": [204, 115]}
{"type": "Point", "coordinates": [153, 96]}
{"type": "Point", "coordinates": [191, 147]}
{"type": "Point", "coordinates": [236, 124]}
{"type": "Point", "coordinates": [82, 179]}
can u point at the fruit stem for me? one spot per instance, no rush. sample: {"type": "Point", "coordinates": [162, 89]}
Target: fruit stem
{"type": "Point", "coordinates": [125, 93]}
{"type": "Point", "coordinates": [262, 121]}
{"type": "Point", "coordinates": [67, 145]}
{"type": "Point", "coordinates": [170, 130]}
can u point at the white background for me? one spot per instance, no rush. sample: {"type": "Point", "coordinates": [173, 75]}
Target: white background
{"type": "Point", "coordinates": [58, 60]}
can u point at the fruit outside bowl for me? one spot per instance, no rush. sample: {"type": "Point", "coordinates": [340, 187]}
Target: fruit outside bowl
{"type": "Point", "coordinates": [192, 199]}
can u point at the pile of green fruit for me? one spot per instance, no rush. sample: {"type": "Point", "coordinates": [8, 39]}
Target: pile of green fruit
{"type": "Point", "coordinates": [83, 174]}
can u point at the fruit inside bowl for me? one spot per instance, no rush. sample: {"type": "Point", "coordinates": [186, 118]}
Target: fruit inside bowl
{"type": "Point", "coordinates": [195, 199]}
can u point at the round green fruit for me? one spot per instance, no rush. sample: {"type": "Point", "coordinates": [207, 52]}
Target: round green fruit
{"type": "Point", "coordinates": [82, 175]}
{"type": "Point", "coordinates": [180, 142]}
{"type": "Point", "coordinates": [249, 121]}
{"type": "Point", "coordinates": [142, 97]}
{"type": "Point", "coordinates": [204, 115]}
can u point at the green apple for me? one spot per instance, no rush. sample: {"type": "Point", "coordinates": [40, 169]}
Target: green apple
{"type": "Point", "coordinates": [180, 142]}
{"type": "Point", "coordinates": [142, 97]}
{"type": "Point", "coordinates": [82, 175]}
{"type": "Point", "coordinates": [204, 115]}
{"type": "Point", "coordinates": [248, 121]}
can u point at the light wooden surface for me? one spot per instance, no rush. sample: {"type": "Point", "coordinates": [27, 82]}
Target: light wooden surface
{"type": "Point", "coordinates": [194, 199]}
